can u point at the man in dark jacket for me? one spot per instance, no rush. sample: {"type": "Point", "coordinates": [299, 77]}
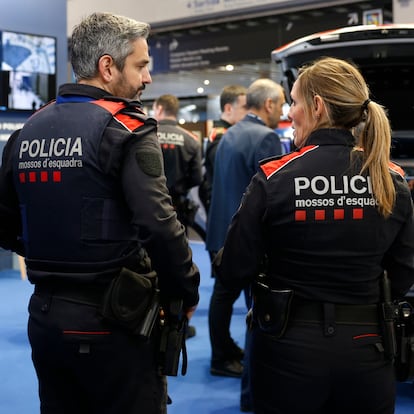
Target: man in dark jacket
{"type": "Point", "coordinates": [233, 109]}
{"type": "Point", "coordinates": [83, 198]}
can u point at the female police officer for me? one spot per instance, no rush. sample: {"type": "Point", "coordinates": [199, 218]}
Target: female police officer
{"type": "Point", "coordinates": [327, 220]}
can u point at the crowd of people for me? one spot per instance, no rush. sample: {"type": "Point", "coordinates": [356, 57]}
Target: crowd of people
{"type": "Point", "coordinates": [308, 236]}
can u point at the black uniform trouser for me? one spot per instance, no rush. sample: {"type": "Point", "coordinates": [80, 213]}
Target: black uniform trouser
{"type": "Point", "coordinates": [306, 372]}
{"type": "Point", "coordinates": [85, 367]}
{"type": "Point", "coordinates": [219, 320]}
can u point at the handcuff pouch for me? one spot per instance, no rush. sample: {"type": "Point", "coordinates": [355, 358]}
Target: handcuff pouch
{"type": "Point", "coordinates": [129, 298]}
{"type": "Point", "coordinates": [271, 309]}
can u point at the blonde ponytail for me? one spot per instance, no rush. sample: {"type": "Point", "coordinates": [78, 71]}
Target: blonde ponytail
{"type": "Point", "coordinates": [375, 139]}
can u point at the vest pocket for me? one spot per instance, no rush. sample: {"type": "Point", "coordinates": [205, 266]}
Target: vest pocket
{"type": "Point", "coordinates": [105, 219]}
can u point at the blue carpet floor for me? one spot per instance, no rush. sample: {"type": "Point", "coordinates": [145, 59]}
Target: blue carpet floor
{"type": "Point", "coordinates": [196, 393]}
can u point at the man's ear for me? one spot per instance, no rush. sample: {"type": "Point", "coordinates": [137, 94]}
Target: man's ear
{"type": "Point", "coordinates": [105, 67]}
{"type": "Point", "coordinates": [158, 110]}
{"type": "Point", "coordinates": [268, 104]}
{"type": "Point", "coordinates": [227, 108]}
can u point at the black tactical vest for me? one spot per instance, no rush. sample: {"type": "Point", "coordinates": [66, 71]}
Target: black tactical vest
{"type": "Point", "coordinates": [73, 213]}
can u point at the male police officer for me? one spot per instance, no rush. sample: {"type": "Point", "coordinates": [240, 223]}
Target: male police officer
{"type": "Point", "coordinates": [182, 156]}
{"type": "Point", "coordinates": [82, 192]}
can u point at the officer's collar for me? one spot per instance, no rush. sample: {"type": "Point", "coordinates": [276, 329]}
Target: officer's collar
{"type": "Point", "coordinates": [331, 136]}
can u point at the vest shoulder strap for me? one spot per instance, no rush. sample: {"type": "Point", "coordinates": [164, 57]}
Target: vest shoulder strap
{"type": "Point", "coordinates": [132, 119]}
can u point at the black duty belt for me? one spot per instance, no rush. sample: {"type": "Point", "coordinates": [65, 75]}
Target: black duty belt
{"type": "Point", "coordinates": [309, 311]}
{"type": "Point", "coordinates": [85, 293]}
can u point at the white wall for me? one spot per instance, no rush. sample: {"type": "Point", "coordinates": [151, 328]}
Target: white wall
{"type": "Point", "coordinates": [159, 11]}
{"type": "Point", "coordinates": [403, 11]}
{"type": "Point", "coordinates": [164, 10]}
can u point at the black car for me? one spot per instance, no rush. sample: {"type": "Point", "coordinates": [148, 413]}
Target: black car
{"type": "Point", "coordinates": [385, 57]}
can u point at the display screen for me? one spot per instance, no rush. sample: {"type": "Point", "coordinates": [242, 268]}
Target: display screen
{"type": "Point", "coordinates": [28, 71]}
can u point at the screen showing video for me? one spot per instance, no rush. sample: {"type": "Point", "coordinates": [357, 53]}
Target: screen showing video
{"type": "Point", "coordinates": [28, 71]}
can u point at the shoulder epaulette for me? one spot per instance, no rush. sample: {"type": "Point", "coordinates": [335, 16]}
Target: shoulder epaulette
{"type": "Point", "coordinates": [270, 167]}
{"type": "Point", "coordinates": [397, 169]}
{"type": "Point", "coordinates": [115, 106]}
{"type": "Point", "coordinates": [215, 132]}
{"type": "Point", "coordinates": [192, 135]}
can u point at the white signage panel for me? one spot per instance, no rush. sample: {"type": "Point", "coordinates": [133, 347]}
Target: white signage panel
{"type": "Point", "coordinates": [163, 11]}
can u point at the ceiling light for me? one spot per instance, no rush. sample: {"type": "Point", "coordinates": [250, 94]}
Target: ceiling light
{"type": "Point", "coordinates": [206, 82]}
{"type": "Point", "coordinates": [229, 68]}
{"type": "Point", "coordinates": [188, 108]}
{"type": "Point", "coordinates": [200, 90]}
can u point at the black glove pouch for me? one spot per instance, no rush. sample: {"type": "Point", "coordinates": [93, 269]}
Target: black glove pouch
{"type": "Point", "coordinates": [271, 309]}
{"type": "Point", "coordinates": [130, 298]}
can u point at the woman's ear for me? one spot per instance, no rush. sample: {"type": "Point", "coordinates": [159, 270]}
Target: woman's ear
{"type": "Point", "coordinates": [318, 106]}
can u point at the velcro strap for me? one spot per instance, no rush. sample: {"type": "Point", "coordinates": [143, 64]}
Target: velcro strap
{"type": "Point", "coordinates": [346, 314]}
{"type": "Point", "coordinates": [90, 294]}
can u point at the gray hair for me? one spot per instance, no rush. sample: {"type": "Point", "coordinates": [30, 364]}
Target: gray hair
{"type": "Point", "coordinates": [260, 90]}
{"type": "Point", "coordinates": [103, 34]}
